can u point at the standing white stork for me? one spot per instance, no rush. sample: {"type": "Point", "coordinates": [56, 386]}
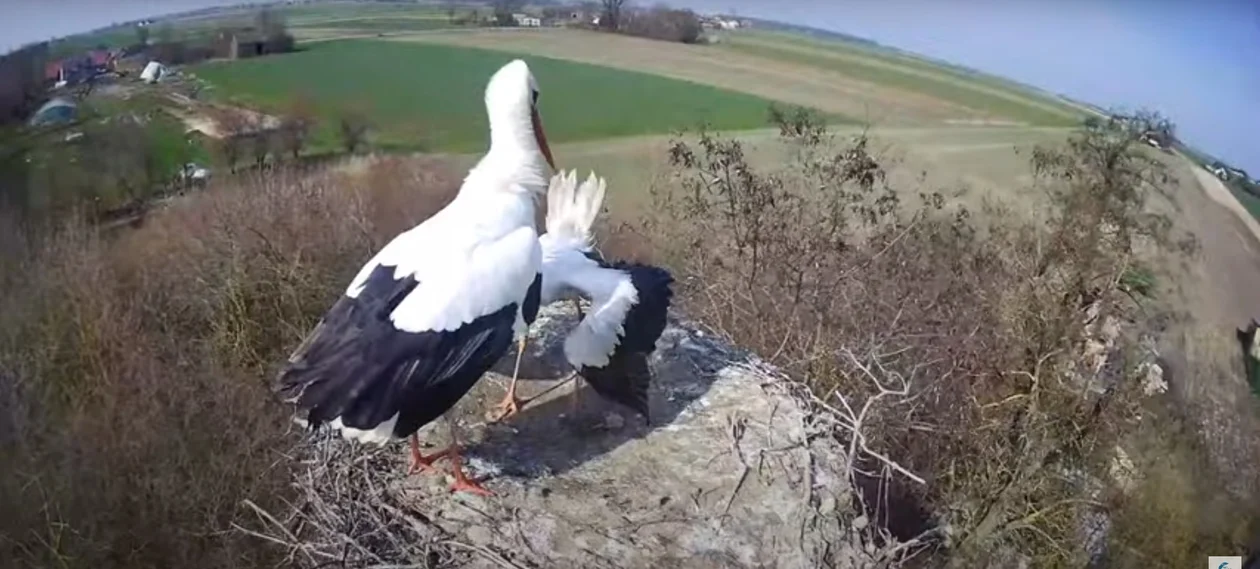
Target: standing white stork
{"type": "Point", "coordinates": [629, 301]}
{"type": "Point", "coordinates": [440, 304]}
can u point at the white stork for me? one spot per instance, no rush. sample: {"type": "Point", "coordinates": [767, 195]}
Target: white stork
{"type": "Point", "coordinates": [428, 315]}
{"type": "Point", "coordinates": [629, 301]}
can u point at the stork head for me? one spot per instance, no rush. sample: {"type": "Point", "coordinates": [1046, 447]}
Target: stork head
{"type": "Point", "coordinates": [512, 105]}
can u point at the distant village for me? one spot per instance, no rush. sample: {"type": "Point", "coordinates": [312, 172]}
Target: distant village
{"type": "Point", "coordinates": [28, 76]}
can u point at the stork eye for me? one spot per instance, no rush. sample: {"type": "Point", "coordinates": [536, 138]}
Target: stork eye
{"type": "Point", "coordinates": [534, 93]}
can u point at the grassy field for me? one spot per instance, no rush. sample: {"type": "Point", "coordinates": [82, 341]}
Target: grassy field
{"type": "Point", "coordinates": [993, 100]}
{"type": "Point", "coordinates": [319, 13]}
{"type": "Point", "coordinates": [430, 96]}
{"type": "Point", "coordinates": [770, 75]}
{"type": "Point", "coordinates": [383, 24]}
{"type": "Point", "coordinates": [905, 59]}
{"type": "Point", "coordinates": [1251, 202]}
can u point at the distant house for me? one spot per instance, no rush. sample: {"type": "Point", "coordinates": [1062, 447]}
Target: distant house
{"type": "Point", "coordinates": [1155, 139]}
{"type": "Point", "coordinates": [526, 21]}
{"type": "Point", "coordinates": [1227, 172]}
{"type": "Point", "coordinates": [720, 23]}
{"type": "Point", "coordinates": [246, 42]}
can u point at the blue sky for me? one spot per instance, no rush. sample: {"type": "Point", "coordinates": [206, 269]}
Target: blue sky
{"type": "Point", "coordinates": [1196, 61]}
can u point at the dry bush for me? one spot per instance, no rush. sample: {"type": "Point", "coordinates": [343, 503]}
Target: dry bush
{"type": "Point", "coordinates": [135, 414]}
{"type": "Point", "coordinates": [665, 24]}
{"type": "Point", "coordinates": [235, 128]}
{"type": "Point", "coordinates": [353, 126]}
{"type": "Point", "coordinates": [299, 120]}
{"type": "Point", "coordinates": [988, 363]}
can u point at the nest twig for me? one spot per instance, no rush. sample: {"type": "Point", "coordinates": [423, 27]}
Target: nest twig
{"type": "Point", "coordinates": [347, 513]}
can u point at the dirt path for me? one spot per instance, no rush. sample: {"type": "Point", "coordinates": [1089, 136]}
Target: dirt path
{"type": "Point", "coordinates": [1229, 294]}
{"type": "Point", "coordinates": [1220, 194]}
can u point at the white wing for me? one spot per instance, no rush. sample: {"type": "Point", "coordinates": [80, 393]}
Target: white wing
{"type": "Point", "coordinates": [460, 284]}
{"type": "Point", "coordinates": [611, 292]}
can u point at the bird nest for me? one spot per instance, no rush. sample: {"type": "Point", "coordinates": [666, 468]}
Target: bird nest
{"type": "Point", "coordinates": [740, 467]}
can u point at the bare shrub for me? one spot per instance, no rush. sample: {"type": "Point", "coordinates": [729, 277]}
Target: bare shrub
{"type": "Point", "coordinates": [133, 382]}
{"type": "Point", "coordinates": [296, 126]}
{"type": "Point", "coordinates": [611, 12]}
{"type": "Point", "coordinates": [354, 125]}
{"type": "Point", "coordinates": [1014, 340]}
{"type": "Point", "coordinates": [664, 23]}
{"type": "Point", "coordinates": [503, 10]}
{"type": "Point", "coordinates": [235, 128]}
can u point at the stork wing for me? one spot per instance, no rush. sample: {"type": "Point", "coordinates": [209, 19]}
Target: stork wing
{"type": "Point", "coordinates": [611, 344]}
{"type": "Point", "coordinates": [409, 340]}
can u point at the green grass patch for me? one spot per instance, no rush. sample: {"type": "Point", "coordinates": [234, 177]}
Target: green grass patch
{"type": "Point", "coordinates": [406, 24]}
{"type": "Point", "coordinates": [116, 156]}
{"type": "Point", "coordinates": [909, 60]}
{"type": "Point", "coordinates": [1140, 280]}
{"type": "Point", "coordinates": [315, 15]}
{"type": "Point", "coordinates": [914, 75]}
{"type": "Point", "coordinates": [110, 38]}
{"type": "Point", "coordinates": [1248, 200]}
{"type": "Point", "coordinates": [430, 97]}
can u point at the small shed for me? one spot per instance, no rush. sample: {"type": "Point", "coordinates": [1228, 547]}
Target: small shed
{"type": "Point", "coordinates": [153, 72]}
{"type": "Point", "coordinates": [55, 111]}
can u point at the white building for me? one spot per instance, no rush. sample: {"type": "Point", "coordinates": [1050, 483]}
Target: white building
{"type": "Point", "coordinates": [526, 21]}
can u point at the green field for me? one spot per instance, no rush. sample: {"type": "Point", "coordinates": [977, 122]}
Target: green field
{"type": "Point", "coordinates": [317, 15]}
{"type": "Point", "coordinates": [904, 72]}
{"type": "Point", "coordinates": [408, 24]}
{"type": "Point", "coordinates": [429, 97]}
{"type": "Point", "coordinates": [910, 61]}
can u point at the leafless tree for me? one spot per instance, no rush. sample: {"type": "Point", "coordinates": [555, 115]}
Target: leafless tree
{"type": "Point", "coordinates": [234, 129]}
{"type": "Point", "coordinates": [354, 128]}
{"type": "Point", "coordinates": [664, 23]}
{"type": "Point", "coordinates": [503, 10]}
{"type": "Point", "coordinates": [295, 128]}
{"type": "Point", "coordinates": [611, 17]}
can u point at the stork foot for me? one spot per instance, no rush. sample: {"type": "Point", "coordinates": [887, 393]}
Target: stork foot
{"type": "Point", "coordinates": [462, 482]}
{"type": "Point", "coordinates": [509, 407]}
{"type": "Point", "coordinates": [422, 463]}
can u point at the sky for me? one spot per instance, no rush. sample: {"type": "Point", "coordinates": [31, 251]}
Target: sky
{"type": "Point", "coordinates": [1197, 62]}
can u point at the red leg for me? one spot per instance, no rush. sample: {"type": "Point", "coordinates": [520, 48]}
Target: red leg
{"type": "Point", "coordinates": [420, 462]}
{"type": "Point", "coordinates": [573, 396]}
{"type": "Point", "coordinates": [511, 405]}
{"type": "Point", "coordinates": [462, 482]}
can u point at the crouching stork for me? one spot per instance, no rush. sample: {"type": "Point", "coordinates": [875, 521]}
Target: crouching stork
{"type": "Point", "coordinates": [441, 303]}
{"type": "Point", "coordinates": [610, 346]}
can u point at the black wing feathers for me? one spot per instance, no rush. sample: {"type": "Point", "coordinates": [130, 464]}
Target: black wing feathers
{"type": "Point", "coordinates": [627, 376]}
{"type": "Point", "coordinates": [357, 366]}
{"type": "Point", "coordinates": [533, 300]}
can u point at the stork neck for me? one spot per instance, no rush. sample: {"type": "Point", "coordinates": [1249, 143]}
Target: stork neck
{"type": "Point", "coordinates": [512, 131]}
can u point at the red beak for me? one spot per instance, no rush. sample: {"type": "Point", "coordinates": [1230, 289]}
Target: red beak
{"type": "Point", "coordinates": [541, 137]}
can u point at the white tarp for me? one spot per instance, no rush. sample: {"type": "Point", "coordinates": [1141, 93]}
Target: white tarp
{"type": "Point", "coordinates": [152, 72]}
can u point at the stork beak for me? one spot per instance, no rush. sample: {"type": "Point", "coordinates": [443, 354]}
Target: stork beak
{"type": "Point", "coordinates": [541, 137]}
